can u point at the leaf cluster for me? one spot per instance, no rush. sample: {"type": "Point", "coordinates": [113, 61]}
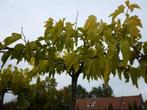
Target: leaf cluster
{"type": "Point", "coordinates": [95, 50]}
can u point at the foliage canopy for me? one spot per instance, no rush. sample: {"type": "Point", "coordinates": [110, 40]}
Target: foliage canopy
{"type": "Point", "coordinates": [95, 50]}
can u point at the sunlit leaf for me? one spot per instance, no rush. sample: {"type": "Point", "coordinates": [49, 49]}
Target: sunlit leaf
{"type": "Point", "coordinates": [72, 60]}
{"type": "Point", "coordinates": [125, 49]}
{"type": "Point", "coordinates": [14, 37]}
{"type": "Point", "coordinates": [131, 6]}
{"type": "Point", "coordinates": [118, 11]}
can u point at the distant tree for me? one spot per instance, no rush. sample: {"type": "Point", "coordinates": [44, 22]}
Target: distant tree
{"type": "Point", "coordinates": [81, 92]}
{"type": "Point", "coordinates": [66, 91]}
{"type": "Point", "coordinates": [96, 92]}
{"type": "Point", "coordinates": [13, 80]}
{"type": "Point", "coordinates": [102, 91]}
{"type": "Point", "coordinates": [42, 95]}
{"type": "Point", "coordinates": [65, 97]}
{"type": "Point", "coordinates": [63, 102]}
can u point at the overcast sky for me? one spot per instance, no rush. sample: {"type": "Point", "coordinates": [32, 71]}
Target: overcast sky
{"type": "Point", "coordinates": [31, 14]}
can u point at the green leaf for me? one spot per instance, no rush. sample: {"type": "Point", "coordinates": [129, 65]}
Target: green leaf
{"type": "Point", "coordinates": [13, 38]}
{"type": "Point", "coordinates": [108, 36]}
{"type": "Point", "coordinates": [5, 57]}
{"type": "Point", "coordinates": [115, 60]}
{"type": "Point", "coordinates": [82, 30]}
{"type": "Point", "coordinates": [111, 52]}
{"type": "Point", "coordinates": [134, 21]}
{"type": "Point", "coordinates": [134, 76]}
{"type": "Point", "coordinates": [51, 56]}
{"type": "Point", "coordinates": [59, 27]}
{"type": "Point", "coordinates": [19, 47]}
{"type": "Point", "coordinates": [72, 60]}
{"type": "Point", "coordinates": [1, 46]}
{"type": "Point", "coordinates": [126, 76]}
{"type": "Point", "coordinates": [138, 46]}
{"type": "Point", "coordinates": [42, 66]}
{"type": "Point", "coordinates": [117, 12]}
{"type": "Point", "coordinates": [87, 67]}
{"type": "Point", "coordinates": [132, 6]}
{"type": "Point", "coordinates": [91, 26]}
{"type": "Point", "coordinates": [90, 53]}
{"type": "Point", "coordinates": [69, 30]}
{"type": "Point", "coordinates": [69, 44]}
{"type": "Point", "coordinates": [145, 48]}
{"type": "Point", "coordinates": [60, 45]}
{"type": "Point", "coordinates": [41, 38]}
{"type": "Point", "coordinates": [107, 70]}
{"type": "Point", "coordinates": [143, 62]}
{"type": "Point", "coordinates": [48, 27]}
{"type": "Point", "coordinates": [49, 23]}
{"type": "Point", "coordinates": [33, 45]}
{"type": "Point", "coordinates": [133, 24]}
{"type": "Point", "coordinates": [91, 22]}
{"type": "Point", "coordinates": [125, 50]}
{"type": "Point", "coordinates": [18, 52]}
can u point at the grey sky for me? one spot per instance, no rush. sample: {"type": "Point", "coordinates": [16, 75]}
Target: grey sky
{"type": "Point", "coordinates": [31, 14]}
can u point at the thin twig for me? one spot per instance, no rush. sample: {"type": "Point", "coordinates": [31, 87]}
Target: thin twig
{"type": "Point", "coordinates": [24, 38]}
{"type": "Point", "coordinates": [76, 21]}
{"type": "Point", "coordinates": [70, 74]}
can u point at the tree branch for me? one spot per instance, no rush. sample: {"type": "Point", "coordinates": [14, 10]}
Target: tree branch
{"type": "Point", "coordinates": [24, 38]}
{"type": "Point", "coordinates": [76, 21]}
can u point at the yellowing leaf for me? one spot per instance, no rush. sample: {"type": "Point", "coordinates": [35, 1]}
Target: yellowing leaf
{"type": "Point", "coordinates": [59, 27]}
{"type": "Point", "coordinates": [87, 67]}
{"type": "Point", "coordinates": [134, 76]}
{"type": "Point", "coordinates": [72, 60]}
{"type": "Point", "coordinates": [125, 50]}
{"type": "Point", "coordinates": [133, 24]}
{"type": "Point", "coordinates": [91, 27]}
{"type": "Point", "coordinates": [42, 66]}
{"type": "Point", "coordinates": [91, 22]}
{"type": "Point", "coordinates": [49, 23]}
{"type": "Point", "coordinates": [69, 30]}
{"type": "Point", "coordinates": [118, 11]}
{"type": "Point", "coordinates": [132, 6]}
{"type": "Point", "coordinates": [106, 70]}
{"type": "Point", "coordinates": [134, 21]}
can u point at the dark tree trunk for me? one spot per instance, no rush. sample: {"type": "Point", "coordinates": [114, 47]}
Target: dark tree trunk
{"type": "Point", "coordinates": [74, 90]}
{"type": "Point", "coordinates": [2, 93]}
{"type": "Point", "coordinates": [74, 77]}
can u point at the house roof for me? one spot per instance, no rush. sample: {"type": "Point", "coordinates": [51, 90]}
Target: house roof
{"type": "Point", "coordinates": [118, 103]}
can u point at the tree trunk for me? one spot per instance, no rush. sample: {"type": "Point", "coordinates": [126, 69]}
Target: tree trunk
{"type": "Point", "coordinates": [2, 93]}
{"type": "Point", "coordinates": [74, 91]}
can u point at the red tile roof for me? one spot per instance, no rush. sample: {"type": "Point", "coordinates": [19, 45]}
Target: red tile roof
{"type": "Point", "coordinates": [118, 103]}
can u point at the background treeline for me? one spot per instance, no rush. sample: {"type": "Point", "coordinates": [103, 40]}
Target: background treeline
{"type": "Point", "coordinates": [43, 95]}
